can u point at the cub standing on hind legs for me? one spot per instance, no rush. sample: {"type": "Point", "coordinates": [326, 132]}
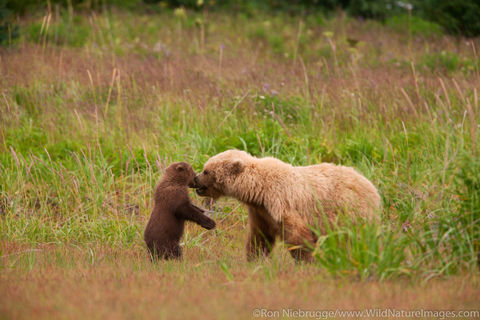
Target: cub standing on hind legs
{"type": "Point", "coordinates": [172, 207]}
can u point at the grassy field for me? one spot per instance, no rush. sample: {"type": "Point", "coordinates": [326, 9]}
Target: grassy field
{"type": "Point", "coordinates": [94, 106]}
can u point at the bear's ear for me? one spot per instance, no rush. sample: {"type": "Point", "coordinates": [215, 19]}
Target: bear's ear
{"type": "Point", "coordinates": [236, 167]}
{"type": "Point", "coordinates": [180, 167]}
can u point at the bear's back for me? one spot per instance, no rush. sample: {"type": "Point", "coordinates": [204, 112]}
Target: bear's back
{"type": "Point", "coordinates": [343, 186]}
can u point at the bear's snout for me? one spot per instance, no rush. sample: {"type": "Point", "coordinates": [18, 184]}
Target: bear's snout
{"type": "Point", "coordinates": [199, 187]}
{"type": "Point", "coordinates": [195, 181]}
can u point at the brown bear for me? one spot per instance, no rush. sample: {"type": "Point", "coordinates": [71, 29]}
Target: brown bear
{"type": "Point", "coordinates": [286, 201]}
{"type": "Point", "coordinates": [171, 209]}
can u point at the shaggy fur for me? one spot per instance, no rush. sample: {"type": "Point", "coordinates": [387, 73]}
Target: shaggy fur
{"type": "Point", "coordinates": [172, 207]}
{"type": "Point", "coordinates": [283, 200]}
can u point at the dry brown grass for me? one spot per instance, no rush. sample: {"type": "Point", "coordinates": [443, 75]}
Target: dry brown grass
{"type": "Point", "coordinates": [197, 80]}
{"type": "Point", "coordinates": [123, 284]}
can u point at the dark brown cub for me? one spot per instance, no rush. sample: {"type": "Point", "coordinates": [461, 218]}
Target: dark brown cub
{"type": "Point", "coordinates": [171, 209]}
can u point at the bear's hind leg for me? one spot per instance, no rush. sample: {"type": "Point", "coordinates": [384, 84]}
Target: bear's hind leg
{"type": "Point", "coordinates": [299, 238]}
{"type": "Point", "coordinates": [173, 252]}
{"type": "Point", "coordinates": [261, 237]}
{"type": "Point", "coordinates": [165, 251]}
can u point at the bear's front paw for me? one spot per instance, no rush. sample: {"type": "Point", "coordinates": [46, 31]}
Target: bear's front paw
{"type": "Point", "coordinates": [209, 224]}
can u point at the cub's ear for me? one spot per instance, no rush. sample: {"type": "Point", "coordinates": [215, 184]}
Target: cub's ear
{"type": "Point", "coordinates": [180, 167]}
{"type": "Point", "coordinates": [236, 167]}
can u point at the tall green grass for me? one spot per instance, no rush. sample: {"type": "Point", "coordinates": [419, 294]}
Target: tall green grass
{"type": "Point", "coordinates": [83, 142]}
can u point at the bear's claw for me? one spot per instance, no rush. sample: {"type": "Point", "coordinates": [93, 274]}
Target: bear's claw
{"type": "Point", "coordinates": [209, 224]}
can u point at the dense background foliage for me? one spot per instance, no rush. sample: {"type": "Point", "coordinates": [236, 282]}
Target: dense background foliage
{"type": "Point", "coordinates": [461, 17]}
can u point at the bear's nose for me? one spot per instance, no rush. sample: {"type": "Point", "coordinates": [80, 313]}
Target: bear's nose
{"type": "Point", "coordinates": [192, 184]}
{"type": "Point", "coordinates": [195, 180]}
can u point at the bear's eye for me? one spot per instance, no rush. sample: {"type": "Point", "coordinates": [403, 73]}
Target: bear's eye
{"type": "Point", "coordinates": [205, 172]}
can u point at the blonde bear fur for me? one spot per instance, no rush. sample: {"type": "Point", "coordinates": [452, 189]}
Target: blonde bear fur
{"type": "Point", "coordinates": [283, 200]}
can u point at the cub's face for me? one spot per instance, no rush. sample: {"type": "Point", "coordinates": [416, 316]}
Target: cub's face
{"type": "Point", "coordinates": [219, 174]}
{"type": "Point", "coordinates": [183, 172]}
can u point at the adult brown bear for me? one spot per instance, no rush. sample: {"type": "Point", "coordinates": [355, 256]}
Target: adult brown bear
{"type": "Point", "coordinates": [285, 201]}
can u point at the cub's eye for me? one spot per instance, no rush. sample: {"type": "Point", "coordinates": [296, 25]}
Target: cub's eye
{"type": "Point", "coordinates": [205, 172]}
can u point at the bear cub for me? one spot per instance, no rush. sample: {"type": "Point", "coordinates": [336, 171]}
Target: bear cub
{"type": "Point", "coordinates": [171, 209]}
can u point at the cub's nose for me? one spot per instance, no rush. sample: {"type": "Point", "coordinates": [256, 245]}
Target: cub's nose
{"type": "Point", "coordinates": [194, 183]}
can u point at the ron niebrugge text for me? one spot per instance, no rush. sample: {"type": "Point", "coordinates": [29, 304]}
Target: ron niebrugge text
{"type": "Point", "coordinates": [365, 313]}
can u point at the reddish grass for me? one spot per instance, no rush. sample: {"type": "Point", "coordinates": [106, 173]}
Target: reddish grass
{"type": "Point", "coordinates": [123, 284]}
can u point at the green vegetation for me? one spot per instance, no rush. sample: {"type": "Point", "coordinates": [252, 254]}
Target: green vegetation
{"type": "Point", "coordinates": [93, 106]}
{"type": "Point", "coordinates": [459, 17]}
{"type": "Point", "coordinates": [8, 31]}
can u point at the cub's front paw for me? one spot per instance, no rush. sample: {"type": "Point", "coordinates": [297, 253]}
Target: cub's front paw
{"type": "Point", "coordinates": [209, 224]}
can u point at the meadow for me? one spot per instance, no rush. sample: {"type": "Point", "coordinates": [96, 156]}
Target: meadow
{"type": "Point", "coordinates": [94, 105]}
